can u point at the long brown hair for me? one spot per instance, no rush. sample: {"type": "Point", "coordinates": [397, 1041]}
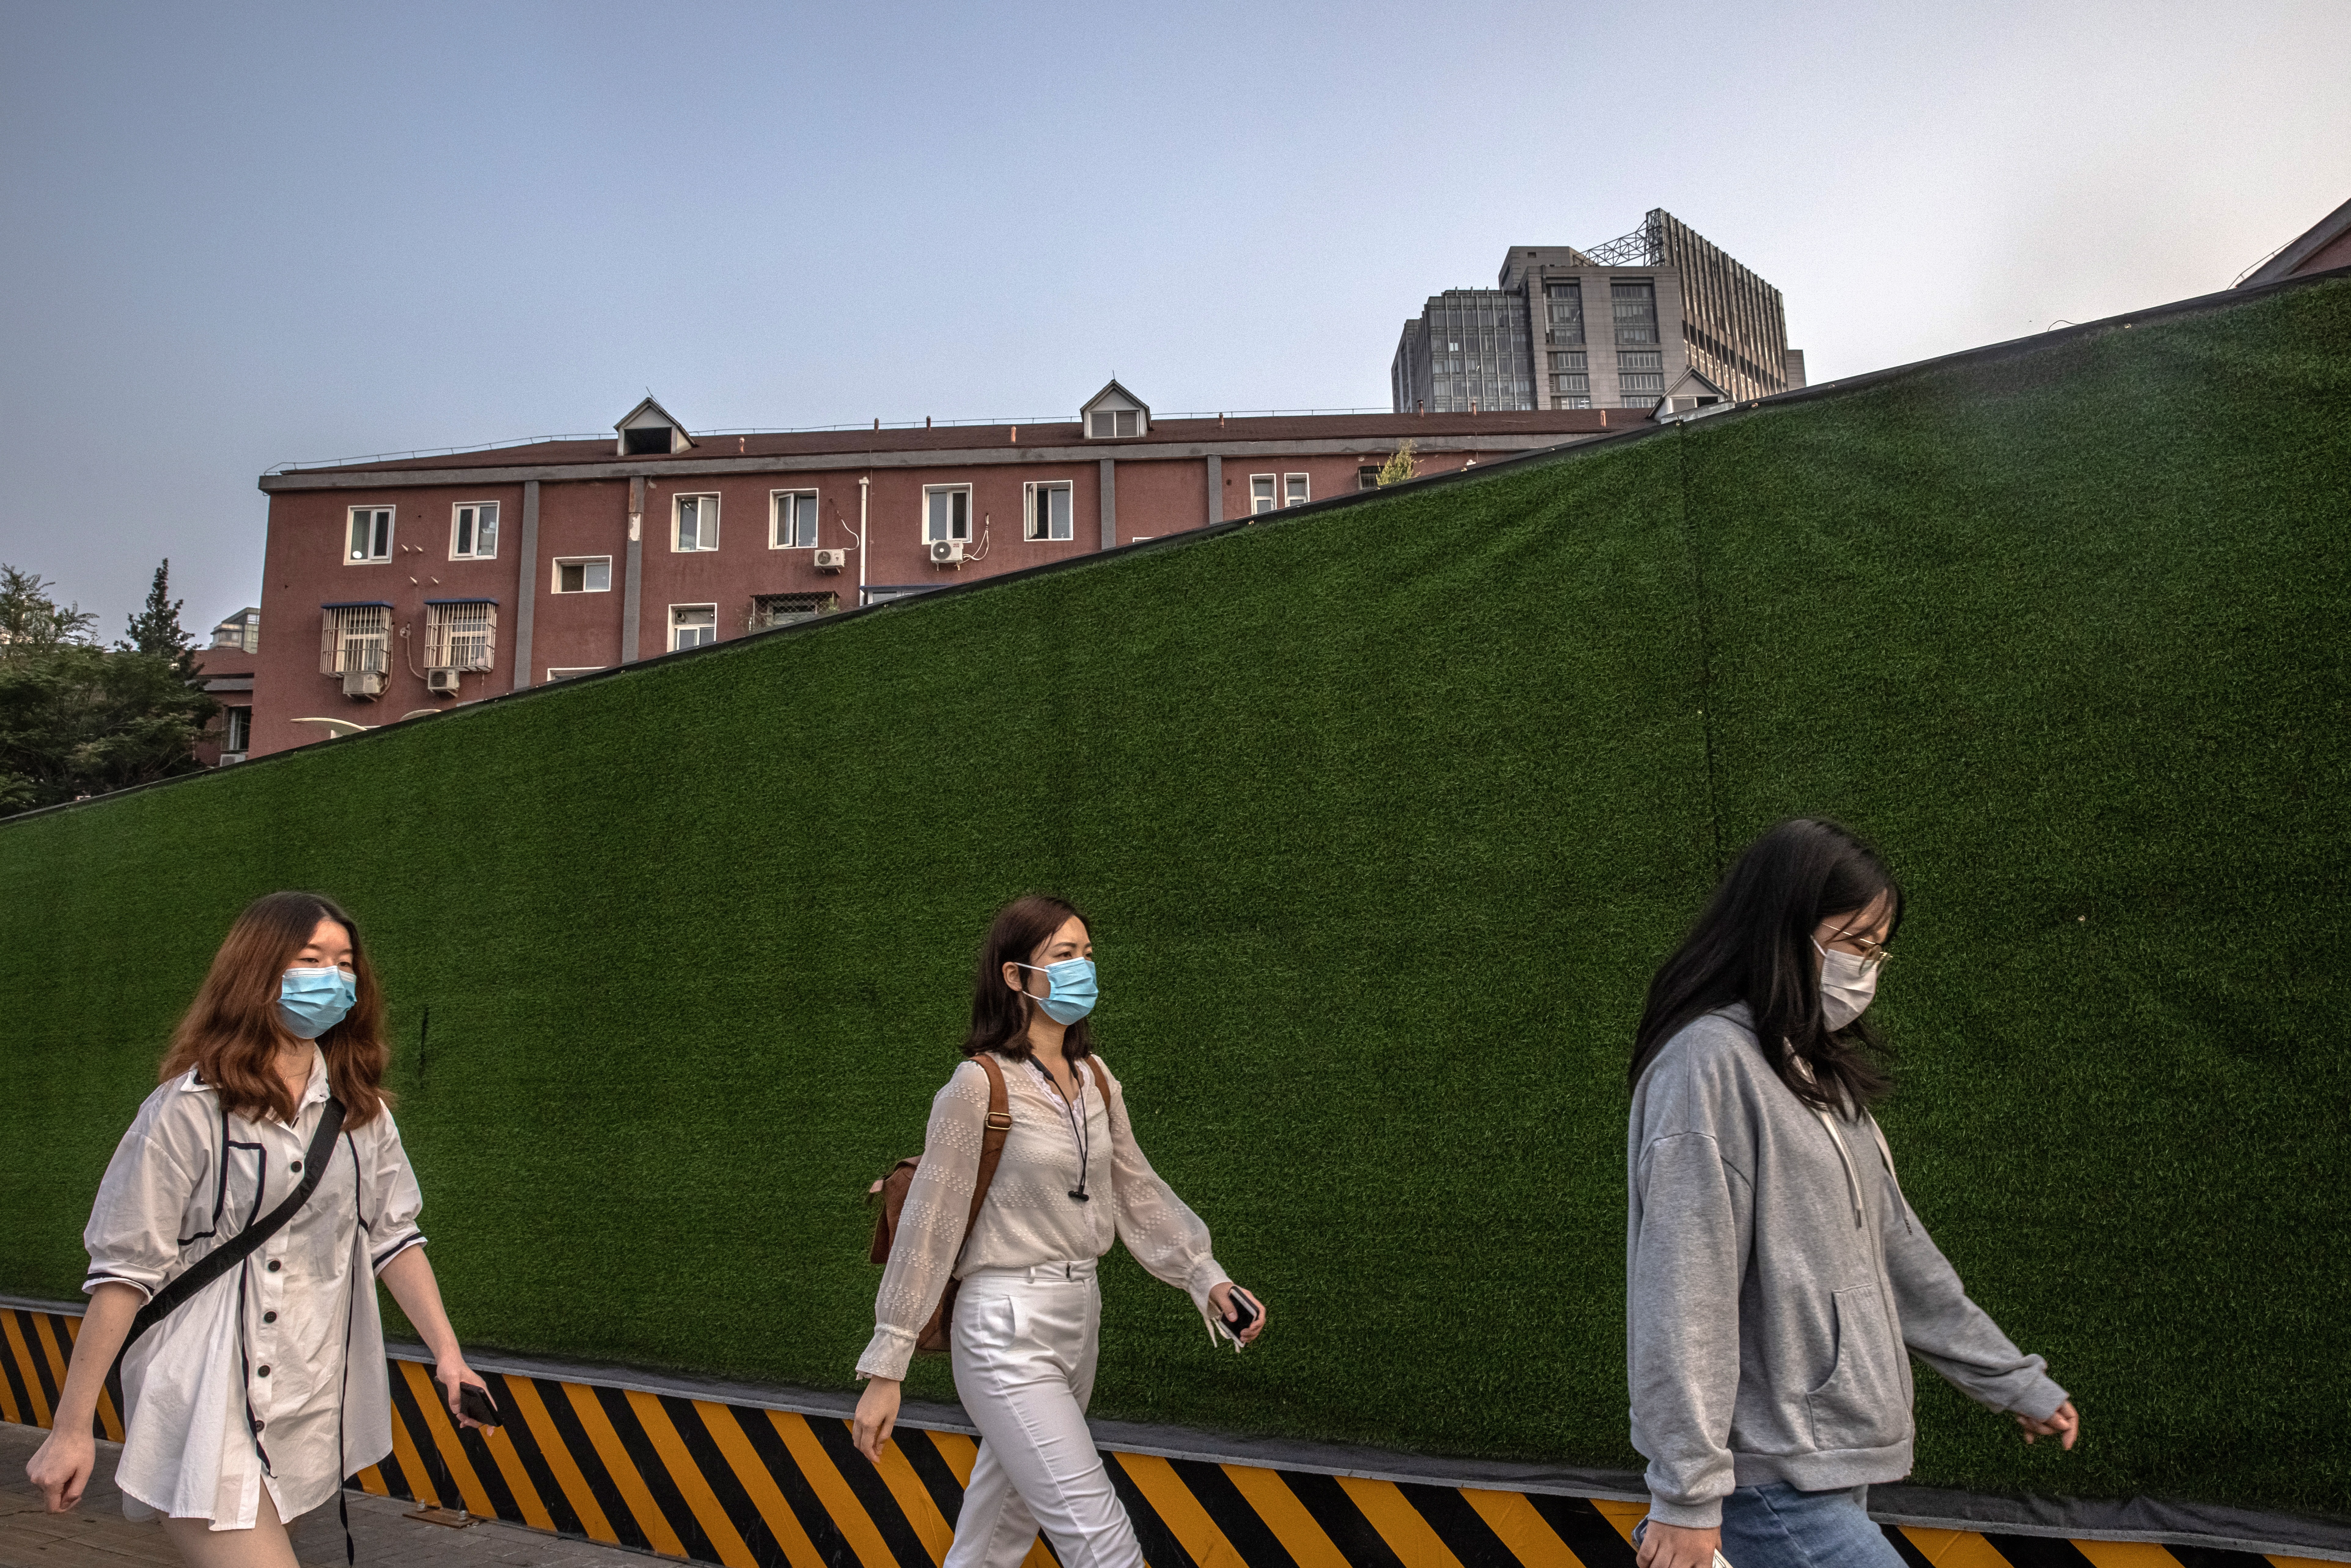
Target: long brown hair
{"type": "Point", "coordinates": [999, 1015]}
{"type": "Point", "coordinates": [232, 1028]}
{"type": "Point", "coordinates": [1754, 944]}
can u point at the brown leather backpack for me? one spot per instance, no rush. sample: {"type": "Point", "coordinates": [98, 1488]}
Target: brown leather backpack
{"type": "Point", "coordinates": [892, 1190]}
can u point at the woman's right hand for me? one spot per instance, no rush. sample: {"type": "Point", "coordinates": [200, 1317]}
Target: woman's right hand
{"type": "Point", "coordinates": [877, 1415]}
{"type": "Point", "coordinates": [61, 1468]}
{"type": "Point", "coordinates": [1673, 1546]}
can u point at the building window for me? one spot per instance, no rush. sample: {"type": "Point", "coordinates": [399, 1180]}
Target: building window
{"type": "Point", "coordinates": [646, 440]}
{"type": "Point", "coordinates": [1368, 477]}
{"type": "Point", "coordinates": [473, 536]}
{"type": "Point", "coordinates": [1641, 374]}
{"type": "Point", "coordinates": [585, 574]}
{"type": "Point", "coordinates": [565, 672]}
{"type": "Point", "coordinates": [794, 524]}
{"type": "Point", "coordinates": [791, 609]}
{"type": "Point", "coordinates": [354, 637]}
{"type": "Point", "coordinates": [1047, 508]}
{"type": "Point", "coordinates": [236, 735]}
{"type": "Point", "coordinates": [1637, 401]}
{"type": "Point", "coordinates": [1260, 493]}
{"type": "Point", "coordinates": [460, 634]}
{"type": "Point", "coordinates": [692, 625]}
{"type": "Point", "coordinates": [697, 523]}
{"type": "Point", "coordinates": [1635, 303]}
{"type": "Point", "coordinates": [1111, 423]}
{"type": "Point", "coordinates": [1565, 303]}
{"type": "Point", "coordinates": [371, 533]}
{"type": "Point", "coordinates": [946, 512]}
{"type": "Point", "coordinates": [1293, 489]}
{"type": "Point", "coordinates": [1570, 378]}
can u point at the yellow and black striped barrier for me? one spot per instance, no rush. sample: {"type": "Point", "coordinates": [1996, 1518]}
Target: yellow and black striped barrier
{"type": "Point", "coordinates": [751, 1486]}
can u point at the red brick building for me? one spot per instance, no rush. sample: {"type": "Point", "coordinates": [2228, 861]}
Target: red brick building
{"type": "Point", "coordinates": [416, 582]}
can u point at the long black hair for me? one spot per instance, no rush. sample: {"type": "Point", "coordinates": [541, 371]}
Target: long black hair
{"type": "Point", "coordinates": [1754, 944]}
{"type": "Point", "coordinates": [999, 1015]}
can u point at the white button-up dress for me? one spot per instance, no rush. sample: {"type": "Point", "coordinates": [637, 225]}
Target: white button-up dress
{"type": "Point", "coordinates": [293, 1333]}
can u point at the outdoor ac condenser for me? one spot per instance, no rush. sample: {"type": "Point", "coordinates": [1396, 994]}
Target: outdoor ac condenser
{"type": "Point", "coordinates": [441, 683]}
{"type": "Point", "coordinates": [832, 559]}
{"type": "Point", "coordinates": [946, 552]}
{"type": "Point", "coordinates": [368, 684]}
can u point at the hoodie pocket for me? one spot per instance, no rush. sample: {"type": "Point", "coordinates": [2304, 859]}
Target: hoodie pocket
{"type": "Point", "coordinates": [1862, 1405]}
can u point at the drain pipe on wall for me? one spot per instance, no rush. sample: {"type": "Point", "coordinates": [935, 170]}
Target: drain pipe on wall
{"type": "Point", "coordinates": [864, 495]}
{"type": "Point", "coordinates": [630, 591]}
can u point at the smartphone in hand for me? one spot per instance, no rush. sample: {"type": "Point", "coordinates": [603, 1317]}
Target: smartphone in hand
{"type": "Point", "coordinates": [474, 1405]}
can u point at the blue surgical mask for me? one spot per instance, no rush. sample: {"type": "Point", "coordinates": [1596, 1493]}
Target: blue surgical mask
{"type": "Point", "coordinates": [1071, 989]}
{"type": "Point", "coordinates": [312, 1002]}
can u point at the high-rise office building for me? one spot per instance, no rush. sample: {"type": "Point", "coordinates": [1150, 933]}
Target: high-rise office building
{"type": "Point", "coordinates": [1657, 316]}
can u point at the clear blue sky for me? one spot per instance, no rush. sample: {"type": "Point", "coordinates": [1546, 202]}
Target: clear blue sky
{"type": "Point", "coordinates": [237, 236]}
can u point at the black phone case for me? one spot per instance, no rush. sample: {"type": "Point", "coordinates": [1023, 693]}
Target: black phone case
{"type": "Point", "coordinates": [474, 1404]}
{"type": "Point", "coordinates": [1246, 1314]}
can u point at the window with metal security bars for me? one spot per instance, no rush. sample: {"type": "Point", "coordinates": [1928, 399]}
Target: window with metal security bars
{"type": "Point", "coordinates": [1260, 493]}
{"type": "Point", "coordinates": [354, 637]}
{"type": "Point", "coordinates": [1368, 477]}
{"type": "Point", "coordinates": [789, 609]}
{"type": "Point", "coordinates": [1635, 304]}
{"type": "Point", "coordinates": [460, 635]}
{"type": "Point", "coordinates": [793, 525]}
{"type": "Point", "coordinates": [697, 523]}
{"type": "Point", "coordinates": [1048, 511]}
{"type": "Point", "coordinates": [474, 531]}
{"type": "Point", "coordinates": [692, 625]}
{"type": "Point", "coordinates": [370, 534]}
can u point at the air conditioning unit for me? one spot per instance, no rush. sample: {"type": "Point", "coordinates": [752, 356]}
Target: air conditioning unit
{"type": "Point", "coordinates": [441, 683]}
{"type": "Point", "coordinates": [946, 552]}
{"type": "Point", "coordinates": [368, 684]}
{"type": "Point", "coordinates": [832, 559]}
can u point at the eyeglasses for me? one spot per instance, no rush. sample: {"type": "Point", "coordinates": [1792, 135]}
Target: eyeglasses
{"type": "Point", "coordinates": [1873, 954]}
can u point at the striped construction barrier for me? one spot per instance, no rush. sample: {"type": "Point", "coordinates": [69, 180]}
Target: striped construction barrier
{"type": "Point", "coordinates": [759, 1485]}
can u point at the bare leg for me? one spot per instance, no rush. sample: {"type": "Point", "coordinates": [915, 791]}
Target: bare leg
{"type": "Point", "coordinates": [265, 1545]}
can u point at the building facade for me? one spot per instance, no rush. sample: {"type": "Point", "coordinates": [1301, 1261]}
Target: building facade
{"type": "Point", "coordinates": [1658, 316]}
{"type": "Point", "coordinates": [407, 585]}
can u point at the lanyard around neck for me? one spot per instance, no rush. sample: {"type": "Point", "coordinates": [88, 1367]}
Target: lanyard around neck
{"type": "Point", "coordinates": [1080, 1133]}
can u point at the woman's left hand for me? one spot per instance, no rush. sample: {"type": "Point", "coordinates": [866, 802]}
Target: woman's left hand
{"type": "Point", "coordinates": [2065, 1424]}
{"type": "Point", "coordinates": [452, 1373]}
{"type": "Point", "coordinates": [1222, 1298]}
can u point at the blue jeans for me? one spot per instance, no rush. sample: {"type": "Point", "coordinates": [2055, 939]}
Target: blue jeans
{"type": "Point", "coordinates": [1776, 1526]}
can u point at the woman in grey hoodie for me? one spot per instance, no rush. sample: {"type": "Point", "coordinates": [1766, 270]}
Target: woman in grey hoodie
{"type": "Point", "coordinates": [1778, 1281]}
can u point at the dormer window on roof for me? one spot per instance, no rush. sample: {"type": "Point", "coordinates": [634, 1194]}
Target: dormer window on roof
{"type": "Point", "coordinates": [648, 430]}
{"type": "Point", "coordinates": [1114, 413]}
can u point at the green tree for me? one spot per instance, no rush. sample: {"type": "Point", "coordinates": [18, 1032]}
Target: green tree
{"type": "Point", "coordinates": [78, 719]}
{"type": "Point", "coordinates": [1400, 468]}
{"type": "Point", "coordinates": [156, 628]}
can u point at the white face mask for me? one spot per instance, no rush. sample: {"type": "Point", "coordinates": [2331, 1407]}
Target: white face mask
{"type": "Point", "coordinates": [1847, 986]}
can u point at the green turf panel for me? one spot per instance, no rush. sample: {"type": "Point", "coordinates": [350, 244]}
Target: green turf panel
{"type": "Point", "coordinates": [1385, 813]}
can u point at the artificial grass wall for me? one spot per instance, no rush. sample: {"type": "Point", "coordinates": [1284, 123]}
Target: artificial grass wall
{"type": "Point", "coordinates": [1385, 814]}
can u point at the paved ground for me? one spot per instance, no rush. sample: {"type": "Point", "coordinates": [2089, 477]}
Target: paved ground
{"type": "Point", "coordinates": [96, 1535]}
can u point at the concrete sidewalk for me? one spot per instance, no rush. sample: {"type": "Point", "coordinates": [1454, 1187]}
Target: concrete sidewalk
{"type": "Point", "coordinates": [96, 1535]}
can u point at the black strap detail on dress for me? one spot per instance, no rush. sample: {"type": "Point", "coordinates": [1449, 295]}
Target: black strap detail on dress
{"type": "Point", "coordinates": [238, 1248]}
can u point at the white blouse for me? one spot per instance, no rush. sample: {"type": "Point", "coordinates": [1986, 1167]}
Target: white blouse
{"type": "Point", "coordinates": [294, 1332]}
{"type": "Point", "coordinates": [1029, 1217]}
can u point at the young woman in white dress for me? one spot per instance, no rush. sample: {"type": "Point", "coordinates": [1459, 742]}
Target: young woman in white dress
{"type": "Point", "coordinates": [249, 1405]}
{"type": "Point", "coordinates": [1028, 1317]}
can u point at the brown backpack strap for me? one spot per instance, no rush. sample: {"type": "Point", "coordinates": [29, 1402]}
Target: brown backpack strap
{"type": "Point", "coordinates": [991, 1142]}
{"type": "Point", "coordinates": [1101, 1083]}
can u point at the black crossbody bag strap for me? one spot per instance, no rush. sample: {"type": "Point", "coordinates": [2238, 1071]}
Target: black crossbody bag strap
{"type": "Point", "coordinates": [220, 1260]}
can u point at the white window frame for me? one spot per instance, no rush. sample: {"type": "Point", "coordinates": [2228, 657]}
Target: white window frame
{"type": "Point", "coordinates": [460, 635]}
{"type": "Point", "coordinates": [777, 507]}
{"type": "Point", "coordinates": [236, 730]}
{"type": "Point", "coordinates": [677, 523]}
{"type": "Point", "coordinates": [567, 672]}
{"type": "Point", "coordinates": [675, 628]}
{"type": "Point", "coordinates": [1302, 484]}
{"type": "Point", "coordinates": [1271, 500]}
{"type": "Point", "coordinates": [350, 526]}
{"type": "Point", "coordinates": [1028, 493]}
{"type": "Point", "coordinates": [457, 520]}
{"type": "Point", "coordinates": [555, 580]}
{"type": "Point", "coordinates": [923, 528]}
{"type": "Point", "coordinates": [355, 637]}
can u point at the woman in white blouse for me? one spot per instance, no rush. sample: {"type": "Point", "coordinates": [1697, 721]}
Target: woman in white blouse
{"type": "Point", "coordinates": [1071, 1181]}
{"type": "Point", "coordinates": [248, 1405]}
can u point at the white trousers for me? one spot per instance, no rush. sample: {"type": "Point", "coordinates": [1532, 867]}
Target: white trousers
{"type": "Point", "coordinates": [1025, 1342]}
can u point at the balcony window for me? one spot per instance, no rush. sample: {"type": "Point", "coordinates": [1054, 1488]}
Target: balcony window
{"type": "Point", "coordinates": [770, 610]}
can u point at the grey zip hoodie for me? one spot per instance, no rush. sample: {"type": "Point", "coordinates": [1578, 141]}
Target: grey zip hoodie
{"type": "Point", "coordinates": [1775, 1275]}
